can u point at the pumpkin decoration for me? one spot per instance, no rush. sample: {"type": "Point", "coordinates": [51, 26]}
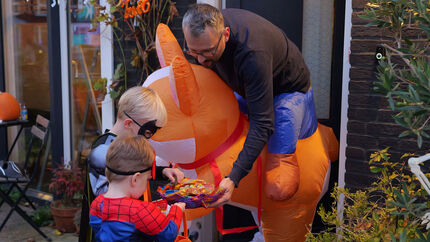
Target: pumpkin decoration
{"type": "Point", "coordinates": [9, 107]}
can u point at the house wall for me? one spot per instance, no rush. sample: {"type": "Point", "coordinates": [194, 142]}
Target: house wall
{"type": "Point", "coordinates": [370, 125]}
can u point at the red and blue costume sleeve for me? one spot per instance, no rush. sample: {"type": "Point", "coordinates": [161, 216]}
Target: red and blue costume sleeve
{"type": "Point", "coordinates": [126, 219]}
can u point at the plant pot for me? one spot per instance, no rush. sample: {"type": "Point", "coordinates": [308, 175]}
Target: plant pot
{"type": "Point", "coordinates": [64, 218]}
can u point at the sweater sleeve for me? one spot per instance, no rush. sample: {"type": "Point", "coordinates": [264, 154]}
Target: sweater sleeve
{"type": "Point", "coordinates": [255, 68]}
{"type": "Point", "coordinates": [159, 172]}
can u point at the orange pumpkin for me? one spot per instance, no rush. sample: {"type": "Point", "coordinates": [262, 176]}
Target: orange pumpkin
{"type": "Point", "coordinates": [9, 107]}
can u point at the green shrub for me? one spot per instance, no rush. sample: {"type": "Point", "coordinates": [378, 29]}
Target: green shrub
{"type": "Point", "coordinates": [391, 209]}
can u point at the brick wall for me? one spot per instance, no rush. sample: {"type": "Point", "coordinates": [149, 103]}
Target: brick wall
{"type": "Point", "coordinates": [370, 125]}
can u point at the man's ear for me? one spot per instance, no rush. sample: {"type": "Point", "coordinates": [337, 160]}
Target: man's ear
{"type": "Point", "coordinates": [226, 33]}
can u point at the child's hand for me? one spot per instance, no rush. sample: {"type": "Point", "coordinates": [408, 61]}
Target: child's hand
{"type": "Point", "coordinates": [180, 205]}
{"type": "Point", "coordinates": [174, 174]}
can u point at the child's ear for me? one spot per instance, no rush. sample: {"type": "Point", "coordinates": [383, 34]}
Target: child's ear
{"type": "Point", "coordinates": [134, 179]}
{"type": "Point", "coordinates": [127, 123]}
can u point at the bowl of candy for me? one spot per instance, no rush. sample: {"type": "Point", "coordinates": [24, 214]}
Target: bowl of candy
{"type": "Point", "coordinates": [194, 193]}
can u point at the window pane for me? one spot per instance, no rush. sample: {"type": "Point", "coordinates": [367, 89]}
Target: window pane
{"type": "Point", "coordinates": [317, 50]}
{"type": "Point", "coordinates": [26, 62]}
{"type": "Point", "coordinates": [84, 71]}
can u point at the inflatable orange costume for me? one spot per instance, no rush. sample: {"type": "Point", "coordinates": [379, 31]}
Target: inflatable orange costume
{"type": "Point", "coordinates": [205, 133]}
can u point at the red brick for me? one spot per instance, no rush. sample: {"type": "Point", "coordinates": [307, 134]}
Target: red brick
{"type": "Point", "coordinates": [361, 31]}
{"type": "Point", "coordinates": [356, 127]}
{"type": "Point", "coordinates": [363, 141]}
{"type": "Point", "coordinates": [413, 33]}
{"type": "Point", "coordinates": [409, 144]}
{"type": "Point", "coordinates": [358, 3]}
{"type": "Point", "coordinates": [355, 153]}
{"type": "Point", "coordinates": [391, 142]}
{"type": "Point", "coordinates": [356, 20]}
{"type": "Point", "coordinates": [357, 165]}
{"type": "Point", "coordinates": [362, 114]}
{"type": "Point", "coordinates": [362, 73]}
{"type": "Point", "coordinates": [360, 179]}
{"type": "Point", "coordinates": [360, 86]}
{"type": "Point", "coordinates": [385, 129]}
{"type": "Point", "coordinates": [363, 60]}
{"type": "Point", "coordinates": [387, 34]}
{"type": "Point", "coordinates": [385, 116]}
{"type": "Point", "coordinates": [365, 45]}
{"type": "Point", "coordinates": [364, 100]}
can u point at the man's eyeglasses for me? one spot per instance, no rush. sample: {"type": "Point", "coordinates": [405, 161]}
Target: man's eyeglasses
{"type": "Point", "coordinates": [206, 53]}
{"type": "Point", "coordinates": [148, 129]}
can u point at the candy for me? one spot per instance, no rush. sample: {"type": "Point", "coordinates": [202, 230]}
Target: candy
{"type": "Point", "coordinates": [193, 192]}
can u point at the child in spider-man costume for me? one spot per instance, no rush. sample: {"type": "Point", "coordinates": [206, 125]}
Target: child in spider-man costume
{"type": "Point", "coordinates": [117, 215]}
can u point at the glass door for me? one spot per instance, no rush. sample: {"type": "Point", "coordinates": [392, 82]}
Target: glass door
{"type": "Point", "coordinates": [84, 43]}
{"type": "Point", "coordinates": [26, 60]}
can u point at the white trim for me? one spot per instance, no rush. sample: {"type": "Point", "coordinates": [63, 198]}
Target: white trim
{"type": "Point", "coordinates": [65, 79]}
{"type": "Point", "coordinates": [344, 104]}
{"type": "Point", "coordinates": [156, 75]}
{"type": "Point", "coordinates": [107, 70]}
{"type": "Point", "coordinates": [215, 3]}
{"type": "Point", "coordinates": [9, 66]}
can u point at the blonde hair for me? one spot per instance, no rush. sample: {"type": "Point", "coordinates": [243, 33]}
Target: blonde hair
{"type": "Point", "coordinates": [128, 154]}
{"type": "Point", "coordinates": [142, 103]}
{"type": "Point", "coordinates": [199, 16]}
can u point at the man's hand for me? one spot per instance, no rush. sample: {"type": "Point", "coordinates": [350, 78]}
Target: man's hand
{"type": "Point", "coordinates": [173, 174]}
{"type": "Point", "coordinates": [227, 185]}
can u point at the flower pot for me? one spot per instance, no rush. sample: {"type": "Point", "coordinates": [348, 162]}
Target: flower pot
{"type": "Point", "coordinates": [64, 218]}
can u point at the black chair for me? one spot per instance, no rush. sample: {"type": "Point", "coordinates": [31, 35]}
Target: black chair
{"type": "Point", "coordinates": [11, 176]}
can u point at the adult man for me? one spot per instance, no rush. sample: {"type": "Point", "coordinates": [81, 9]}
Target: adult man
{"type": "Point", "coordinates": [257, 60]}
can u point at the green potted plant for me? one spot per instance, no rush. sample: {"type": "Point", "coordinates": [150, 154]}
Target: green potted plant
{"type": "Point", "coordinates": [67, 186]}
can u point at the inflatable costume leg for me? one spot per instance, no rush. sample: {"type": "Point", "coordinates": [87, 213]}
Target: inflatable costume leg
{"type": "Point", "coordinates": [294, 119]}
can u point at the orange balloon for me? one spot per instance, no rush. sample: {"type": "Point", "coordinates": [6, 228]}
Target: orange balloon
{"type": "Point", "coordinates": [203, 116]}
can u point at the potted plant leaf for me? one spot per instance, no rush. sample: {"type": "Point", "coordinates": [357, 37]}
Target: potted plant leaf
{"type": "Point", "coordinates": [67, 186]}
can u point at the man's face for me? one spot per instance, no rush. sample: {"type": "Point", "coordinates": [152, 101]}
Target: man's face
{"type": "Point", "coordinates": [208, 47]}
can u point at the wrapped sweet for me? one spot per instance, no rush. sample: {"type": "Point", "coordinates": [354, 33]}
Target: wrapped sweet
{"type": "Point", "coordinates": [193, 192]}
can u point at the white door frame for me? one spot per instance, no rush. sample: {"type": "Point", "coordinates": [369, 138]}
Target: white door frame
{"type": "Point", "coordinates": [344, 105]}
{"type": "Point", "coordinates": [65, 82]}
